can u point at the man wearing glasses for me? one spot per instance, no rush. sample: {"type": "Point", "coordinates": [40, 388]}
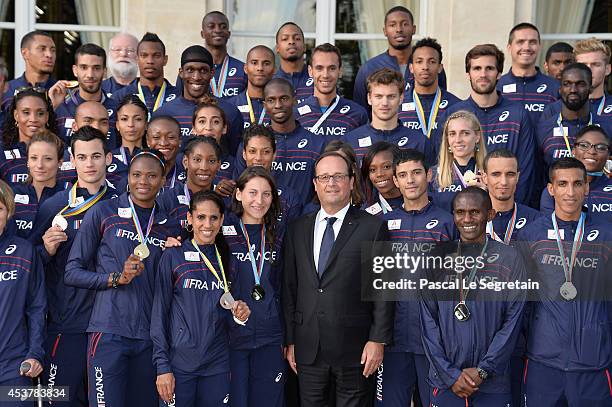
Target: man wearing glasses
{"type": "Point", "coordinates": [122, 62]}
{"type": "Point", "coordinates": [592, 148]}
{"type": "Point", "coordinates": [333, 336]}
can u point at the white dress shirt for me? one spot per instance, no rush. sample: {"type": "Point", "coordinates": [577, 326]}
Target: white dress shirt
{"type": "Point", "coordinates": [319, 229]}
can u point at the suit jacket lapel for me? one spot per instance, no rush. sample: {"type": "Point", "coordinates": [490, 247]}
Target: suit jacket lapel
{"type": "Point", "coordinates": [347, 229]}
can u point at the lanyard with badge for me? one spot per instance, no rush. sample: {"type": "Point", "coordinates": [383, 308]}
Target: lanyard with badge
{"type": "Point", "coordinates": [226, 301]}
{"type": "Point", "coordinates": [142, 250]}
{"type": "Point", "coordinates": [252, 111]}
{"type": "Point", "coordinates": [509, 229]}
{"type": "Point", "coordinates": [427, 126]}
{"type": "Point", "coordinates": [386, 207]}
{"type": "Point", "coordinates": [159, 101]}
{"type": "Point", "coordinates": [564, 134]}
{"type": "Point", "coordinates": [461, 310]}
{"type": "Point", "coordinates": [74, 207]}
{"type": "Point", "coordinates": [601, 106]}
{"type": "Point", "coordinates": [258, 292]}
{"type": "Point", "coordinates": [217, 88]}
{"type": "Point", "coordinates": [324, 116]}
{"type": "Point", "coordinates": [568, 289]}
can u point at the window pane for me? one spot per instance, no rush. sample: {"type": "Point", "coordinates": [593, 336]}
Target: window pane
{"type": "Point", "coordinates": [67, 43]}
{"type": "Point", "coordinates": [7, 11]}
{"type": "Point", "coordinates": [367, 16]}
{"type": "Point", "coordinates": [353, 53]}
{"type": "Point", "coordinates": [250, 15]}
{"type": "Point", "coordinates": [239, 46]}
{"type": "Point", "coordinates": [87, 12]}
{"type": "Point", "coordinates": [56, 12]}
{"type": "Point", "coordinates": [7, 50]}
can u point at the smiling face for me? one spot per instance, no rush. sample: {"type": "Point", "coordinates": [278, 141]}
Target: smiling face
{"type": "Point", "coordinates": [333, 194]}
{"type": "Point", "coordinates": [471, 216]}
{"type": "Point", "coordinates": [215, 30]}
{"type": "Point", "coordinates": [202, 165]}
{"type": "Point", "coordinates": [325, 71]}
{"type": "Point", "coordinates": [412, 180]}
{"type": "Point", "coordinates": [279, 102]}
{"type": "Point", "coordinates": [256, 199]}
{"type": "Point", "coordinates": [31, 116]}
{"type": "Point", "coordinates": [206, 219]}
{"type": "Point", "coordinates": [462, 138]}
{"type": "Point", "coordinates": [524, 47]}
{"type": "Point", "coordinates": [209, 123]}
{"type": "Point", "coordinates": [43, 162]}
{"type": "Point", "coordinates": [590, 151]}
{"type": "Point", "coordinates": [196, 79]}
{"type": "Point", "coordinates": [145, 179]}
{"type": "Point", "coordinates": [381, 173]}
{"type": "Point", "coordinates": [164, 135]}
{"type": "Point", "coordinates": [259, 152]}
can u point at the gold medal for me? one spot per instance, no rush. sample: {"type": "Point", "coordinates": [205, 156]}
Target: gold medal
{"type": "Point", "coordinates": [71, 84]}
{"type": "Point", "coordinates": [142, 251]}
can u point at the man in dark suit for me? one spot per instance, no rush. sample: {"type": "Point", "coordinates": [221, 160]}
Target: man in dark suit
{"type": "Point", "coordinates": [333, 336]}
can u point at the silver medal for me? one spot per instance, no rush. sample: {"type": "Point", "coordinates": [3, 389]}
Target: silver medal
{"type": "Point", "coordinates": [60, 221]}
{"type": "Point", "coordinates": [227, 301]}
{"type": "Point", "coordinates": [568, 291]}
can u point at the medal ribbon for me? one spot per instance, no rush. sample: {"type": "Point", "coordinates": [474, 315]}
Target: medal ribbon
{"type": "Point", "coordinates": [324, 116]}
{"type": "Point", "coordinates": [433, 113]}
{"type": "Point", "coordinates": [141, 235]}
{"type": "Point", "coordinates": [159, 101]}
{"type": "Point", "coordinates": [384, 204]}
{"type": "Point", "coordinates": [256, 270]}
{"type": "Point", "coordinates": [210, 267]}
{"type": "Point", "coordinates": [463, 292]}
{"type": "Point", "coordinates": [72, 209]}
{"type": "Point", "coordinates": [218, 88]}
{"type": "Point", "coordinates": [601, 106]}
{"type": "Point", "coordinates": [460, 175]}
{"type": "Point", "coordinates": [252, 112]}
{"type": "Point", "coordinates": [124, 156]}
{"type": "Point", "coordinates": [509, 229]}
{"type": "Point", "coordinates": [565, 136]}
{"type": "Point", "coordinates": [187, 194]}
{"type": "Point", "coordinates": [569, 268]}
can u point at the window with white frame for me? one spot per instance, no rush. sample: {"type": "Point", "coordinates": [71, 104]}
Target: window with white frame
{"type": "Point", "coordinates": [70, 23]}
{"type": "Point", "coordinates": [355, 26]}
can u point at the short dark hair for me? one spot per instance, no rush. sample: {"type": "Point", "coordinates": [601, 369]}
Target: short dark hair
{"type": "Point", "coordinates": [386, 76]}
{"type": "Point", "coordinates": [400, 9]}
{"type": "Point", "coordinates": [329, 48]}
{"type": "Point", "coordinates": [522, 26]}
{"type": "Point", "coordinates": [90, 49]}
{"type": "Point", "coordinates": [286, 24]}
{"type": "Point", "coordinates": [151, 37]}
{"type": "Point", "coordinates": [281, 82]}
{"type": "Point", "coordinates": [499, 153]}
{"type": "Point", "coordinates": [558, 47]}
{"type": "Point", "coordinates": [197, 140]}
{"type": "Point", "coordinates": [217, 12]}
{"type": "Point", "coordinates": [168, 119]}
{"type": "Point", "coordinates": [578, 66]}
{"type": "Point", "coordinates": [136, 101]}
{"type": "Point", "coordinates": [484, 50]}
{"type": "Point", "coordinates": [88, 133]}
{"type": "Point", "coordinates": [335, 154]}
{"type": "Point", "coordinates": [258, 130]}
{"type": "Point", "coordinates": [373, 150]}
{"type": "Point", "coordinates": [150, 153]}
{"type": "Point", "coordinates": [591, 128]}
{"type": "Point", "coordinates": [430, 43]}
{"type": "Point", "coordinates": [264, 48]}
{"type": "Point", "coordinates": [566, 163]}
{"type": "Point", "coordinates": [410, 154]}
{"type": "Point", "coordinates": [473, 190]}
{"type": "Point", "coordinates": [29, 37]}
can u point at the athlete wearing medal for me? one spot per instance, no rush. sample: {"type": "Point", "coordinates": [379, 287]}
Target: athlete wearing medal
{"type": "Point", "coordinates": [196, 70]}
{"type": "Point", "coordinates": [45, 153]}
{"type": "Point", "coordinates": [381, 193]}
{"type": "Point", "coordinates": [151, 87]}
{"type": "Point", "coordinates": [423, 104]}
{"type": "Point", "coordinates": [399, 28]}
{"type": "Point", "coordinates": [592, 148]}
{"type": "Point", "coordinates": [327, 114]}
{"type": "Point", "coordinates": [189, 322]}
{"type": "Point", "coordinates": [296, 148]}
{"type": "Point", "coordinates": [385, 89]}
{"type": "Point", "coordinates": [55, 227]}
{"type": "Point", "coordinates": [568, 349]}
{"type": "Point", "coordinates": [462, 154]}
{"type": "Point", "coordinates": [525, 83]}
{"type": "Point", "coordinates": [290, 49]}
{"type": "Point", "coordinates": [501, 176]}
{"type": "Point", "coordinates": [254, 237]}
{"type": "Point", "coordinates": [469, 334]}
{"type": "Point", "coordinates": [505, 124]}
{"type": "Point", "coordinates": [89, 68]}
{"type": "Point", "coordinates": [418, 220]}
{"type": "Point", "coordinates": [259, 68]}
{"type": "Point", "coordinates": [116, 253]}
{"type": "Point", "coordinates": [201, 162]}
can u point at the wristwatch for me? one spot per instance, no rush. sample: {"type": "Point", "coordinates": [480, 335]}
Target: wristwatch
{"type": "Point", "coordinates": [115, 279]}
{"type": "Point", "coordinates": [483, 374]}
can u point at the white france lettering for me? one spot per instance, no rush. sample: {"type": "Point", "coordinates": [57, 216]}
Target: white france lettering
{"type": "Point", "coordinates": [497, 139]}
